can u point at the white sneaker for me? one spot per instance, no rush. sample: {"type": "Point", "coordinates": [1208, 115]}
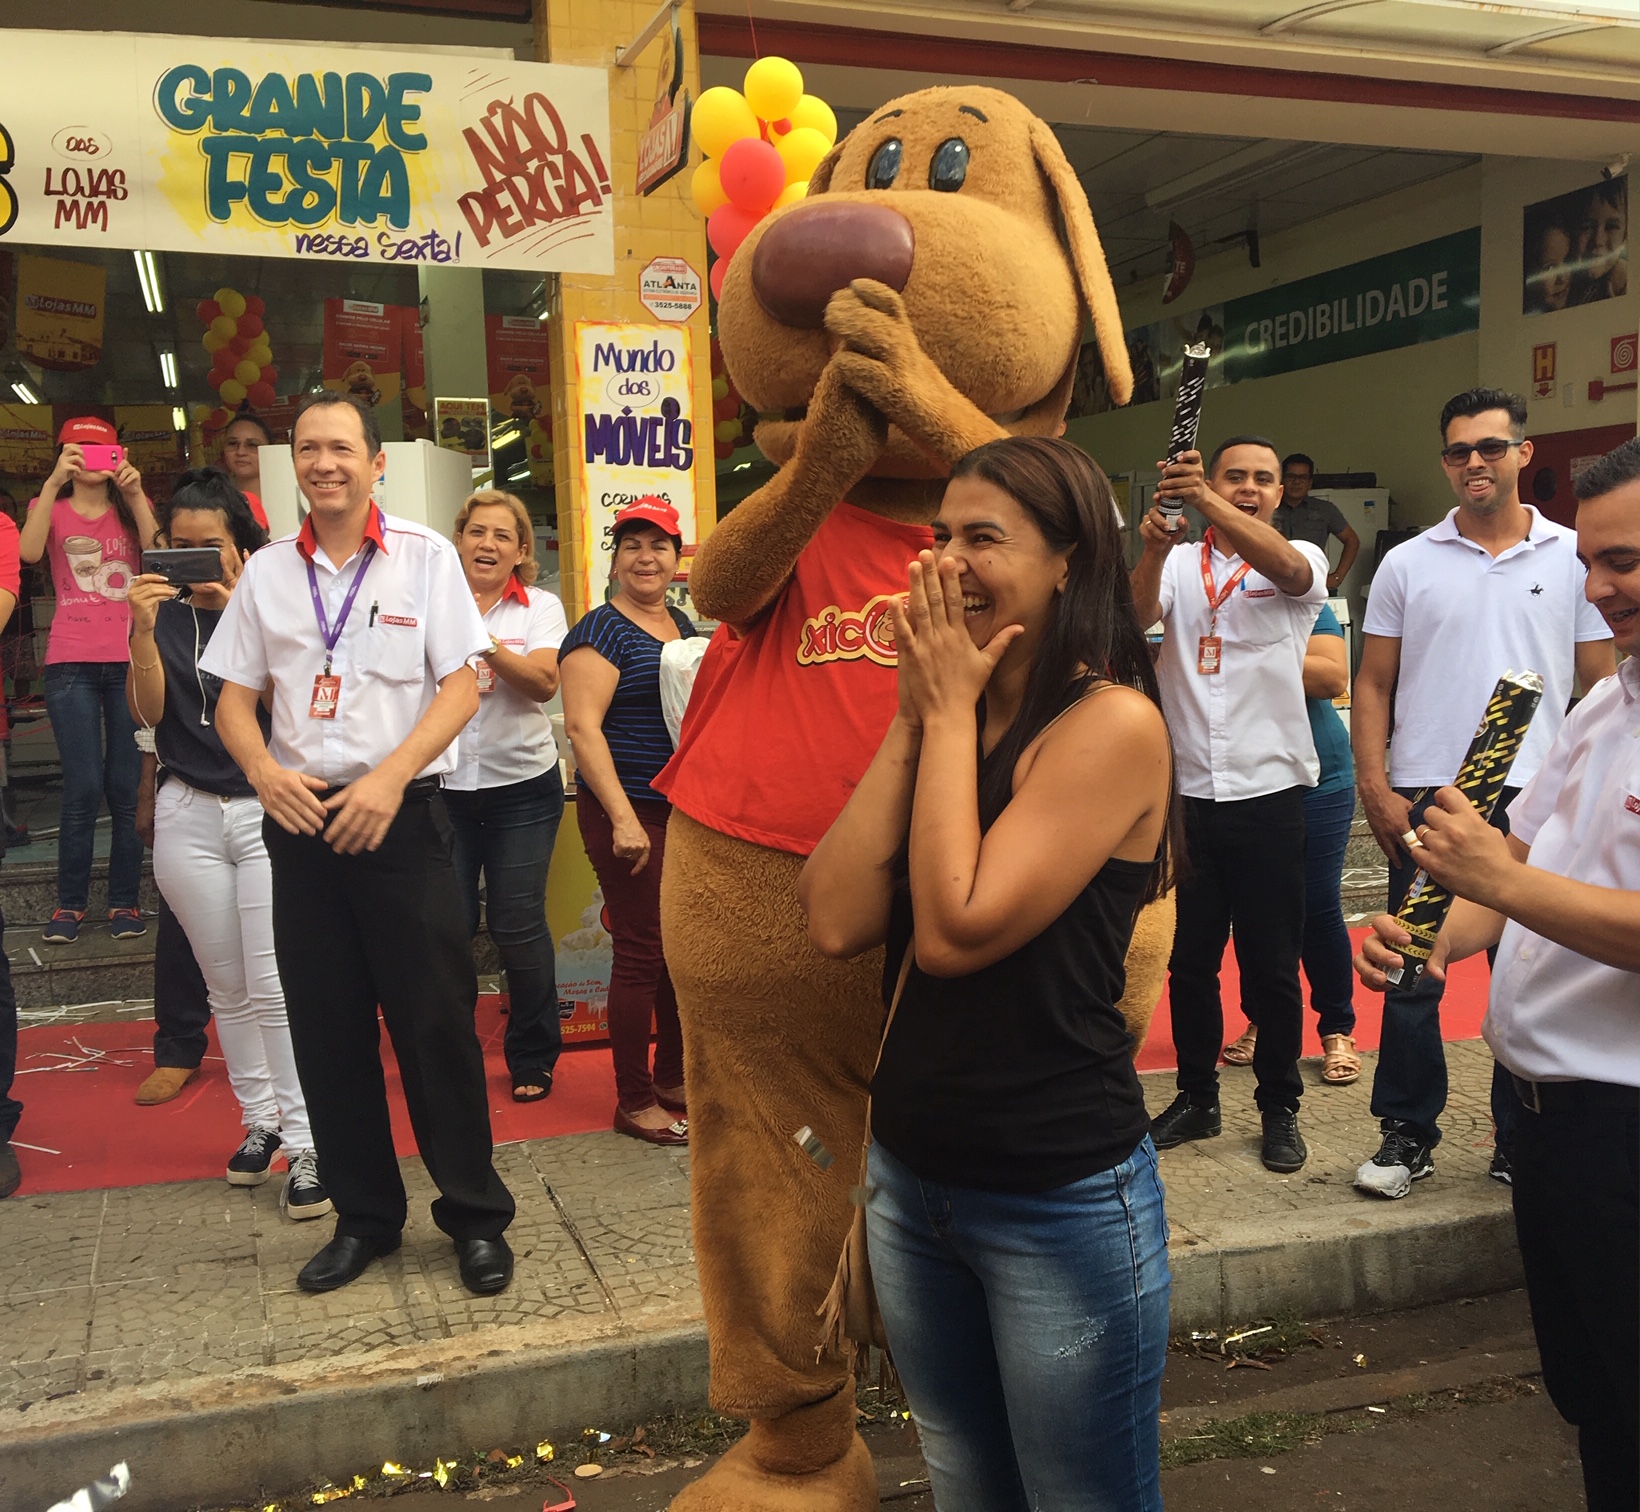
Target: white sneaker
{"type": "Point", "coordinates": [1402, 1159]}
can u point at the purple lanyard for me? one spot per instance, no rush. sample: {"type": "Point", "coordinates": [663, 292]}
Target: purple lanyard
{"type": "Point", "coordinates": [331, 636]}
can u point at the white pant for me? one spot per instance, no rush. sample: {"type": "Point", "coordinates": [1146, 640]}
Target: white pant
{"type": "Point", "coordinates": [210, 863]}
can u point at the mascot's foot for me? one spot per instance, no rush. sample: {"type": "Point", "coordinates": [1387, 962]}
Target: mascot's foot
{"type": "Point", "coordinates": [810, 1460]}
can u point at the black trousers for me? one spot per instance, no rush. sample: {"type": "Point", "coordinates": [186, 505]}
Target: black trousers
{"type": "Point", "coordinates": [387, 928]}
{"type": "Point", "coordinates": [1576, 1220]}
{"type": "Point", "coordinates": [182, 1008]}
{"type": "Point", "coordinates": [1245, 869]}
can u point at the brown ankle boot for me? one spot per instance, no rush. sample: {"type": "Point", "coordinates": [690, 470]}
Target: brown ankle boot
{"type": "Point", "coordinates": [809, 1460]}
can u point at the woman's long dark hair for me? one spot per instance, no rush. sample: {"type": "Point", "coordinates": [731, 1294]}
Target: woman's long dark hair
{"type": "Point", "coordinates": [116, 501]}
{"type": "Point", "coordinates": [1093, 635]}
{"type": "Point", "coordinates": [211, 489]}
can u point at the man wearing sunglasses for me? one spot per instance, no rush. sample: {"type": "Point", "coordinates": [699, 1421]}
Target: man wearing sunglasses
{"type": "Point", "coordinates": [1494, 587]}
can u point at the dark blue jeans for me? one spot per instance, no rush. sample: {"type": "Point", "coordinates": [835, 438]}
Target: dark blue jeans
{"type": "Point", "coordinates": [94, 733]}
{"type": "Point", "coordinates": [1410, 1083]}
{"type": "Point", "coordinates": [507, 833]}
{"type": "Point", "coordinates": [1327, 954]}
{"type": "Point", "coordinates": [1030, 1331]}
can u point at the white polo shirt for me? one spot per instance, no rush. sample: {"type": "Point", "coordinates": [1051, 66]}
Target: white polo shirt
{"type": "Point", "coordinates": [1243, 731]}
{"type": "Point", "coordinates": [510, 738]}
{"type": "Point", "coordinates": [1556, 1015]}
{"type": "Point", "coordinates": [413, 624]}
{"type": "Point", "coordinates": [1464, 618]}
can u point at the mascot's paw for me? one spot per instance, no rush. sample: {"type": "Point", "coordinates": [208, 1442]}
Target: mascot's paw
{"type": "Point", "coordinates": [747, 1479]}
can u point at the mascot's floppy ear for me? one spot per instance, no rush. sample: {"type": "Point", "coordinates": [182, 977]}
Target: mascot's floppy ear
{"type": "Point", "coordinates": [1088, 257]}
{"type": "Point", "coordinates": [820, 179]}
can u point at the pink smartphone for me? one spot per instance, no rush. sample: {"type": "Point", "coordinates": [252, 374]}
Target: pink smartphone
{"type": "Point", "coordinates": [102, 458]}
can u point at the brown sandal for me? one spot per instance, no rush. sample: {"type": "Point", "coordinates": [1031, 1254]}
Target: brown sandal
{"type": "Point", "coordinates": [1340, 1065]}
{"type": "Point", "coordinates": [1239, 1052]}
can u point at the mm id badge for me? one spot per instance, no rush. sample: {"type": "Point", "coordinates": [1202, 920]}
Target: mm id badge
{"type": "Point", "coordinates": [327, 693]}
{"type": "Point", "coordinates": [1209, 650]}
{"type": "Point", "coordinates": [486, 675]}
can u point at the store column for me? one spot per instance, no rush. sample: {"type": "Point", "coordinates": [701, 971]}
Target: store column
{"type": "Point", "coordinates": [662, 224]}
{"type": "Point", "coordinates": [453, 338]}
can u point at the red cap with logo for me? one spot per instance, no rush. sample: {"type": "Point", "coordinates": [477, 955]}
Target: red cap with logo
{"type": "Point", "coordinates": [87, 430]}
{"type": "Point", "coordinates": [651, 509]}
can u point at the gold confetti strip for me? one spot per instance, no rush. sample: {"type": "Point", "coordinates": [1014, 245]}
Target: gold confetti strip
{"type": "Point", "coordinates": [544, 1451]}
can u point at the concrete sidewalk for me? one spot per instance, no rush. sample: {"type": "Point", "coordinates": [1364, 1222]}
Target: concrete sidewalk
{"type": "Point", "coordinates": [162, 1324]}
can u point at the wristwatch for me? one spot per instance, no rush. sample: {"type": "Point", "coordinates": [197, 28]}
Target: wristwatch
{"type": "Point", "coordinates": [495, 645]}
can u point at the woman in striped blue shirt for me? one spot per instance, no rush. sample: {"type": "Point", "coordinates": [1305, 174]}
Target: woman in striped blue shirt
{"type": "Point", "coordinates": [612, 714]}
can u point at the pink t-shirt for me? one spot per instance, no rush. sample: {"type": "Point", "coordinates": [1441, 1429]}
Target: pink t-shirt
{"type": "Point", "coordinates": [92, 564]}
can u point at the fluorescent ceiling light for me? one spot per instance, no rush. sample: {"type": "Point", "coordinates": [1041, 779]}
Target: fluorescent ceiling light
{"type": "Point", "coordinates": [168, 368]}
{"type": "Point", "coordinates": [148, 277]}
{"type": "Point", "coordinates": [179, 418]}
{"type": "Point", "coordinates": [25, 393]}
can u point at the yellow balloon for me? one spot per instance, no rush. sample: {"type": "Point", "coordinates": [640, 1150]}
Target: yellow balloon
{"type": "Point", "coordinates": [801, 150]}
{"type": "Point", "coordinates": [213, 341]}
{"type": "Point", "coordinates": [813, 112]}
{"type": "Point", "coordinates": [231, 302]}
{"type": "Point", "coordinates": [791, 194]}
{"type": "Point", "coordinates": [225, 326]}
{"type": "Point", "coordinates": [247, 372]}
{"type": "Point", "coordinates": [773, 87]}
{"type": "Point", "coordinates": [721, 116]}
{"type": "Point", "coordinates": [260, 353]}
{"type": "Point", "coordinates": [707, 188]}
{"type": "Point", "coordinates": [202, 412]}
{"type": "Point", "coordinates": [720, 388]}
{"type": "Point", "coordinates": [232, 391]}
{"type": "Point", "coordinates": [727, 431]}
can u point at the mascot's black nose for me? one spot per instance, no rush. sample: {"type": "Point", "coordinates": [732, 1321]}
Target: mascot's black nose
{"type": "Point", "coordinates": [808, 255]}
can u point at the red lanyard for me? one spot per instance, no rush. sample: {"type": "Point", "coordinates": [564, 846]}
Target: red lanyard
{"type": "Point", "coordinates": [1214, 601]}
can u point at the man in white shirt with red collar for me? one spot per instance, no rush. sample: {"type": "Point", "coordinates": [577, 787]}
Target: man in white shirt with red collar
{"type": "Point", "coordinates": [364, 628]}
{"type": "Point", "coordinates": [1559, 899]}
{"type": "Point", "coordinates": [1237, 611]}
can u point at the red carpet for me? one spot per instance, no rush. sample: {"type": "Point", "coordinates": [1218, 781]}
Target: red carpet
{"type": "Point", "coordinates": [80, 1128]}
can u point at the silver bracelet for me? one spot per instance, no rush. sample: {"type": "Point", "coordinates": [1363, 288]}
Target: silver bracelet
{"type": "Point", "coordinates": [145, 741]}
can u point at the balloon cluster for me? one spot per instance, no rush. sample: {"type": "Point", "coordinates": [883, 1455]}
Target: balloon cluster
{"type": "Point", "coordinates": [538, 452]}
{"type": "Point", "coordinates": [241, 355]}
{"type": "Point", "coordinates": [729, 429]}
{"type": "Point", "coordinates": [761, 147]}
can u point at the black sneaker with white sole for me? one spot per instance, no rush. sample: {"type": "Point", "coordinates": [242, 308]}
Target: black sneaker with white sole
{"type": "Point", "coordinates": [252, 1163]}
{"type": "Point", "coordinates": [304, 1195]}
{"type": "Point", "coordinates": [1403, 1158]}
{"type": "Point", "coordinates": [1500, 1169]}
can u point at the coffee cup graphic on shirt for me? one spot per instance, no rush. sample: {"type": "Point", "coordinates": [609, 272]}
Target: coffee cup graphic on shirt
{"type": "Point", "coordinates": [109, 580]}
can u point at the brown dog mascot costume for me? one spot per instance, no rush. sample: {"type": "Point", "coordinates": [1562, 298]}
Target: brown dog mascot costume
{"type": "Point", "coordinates": [927, 296]}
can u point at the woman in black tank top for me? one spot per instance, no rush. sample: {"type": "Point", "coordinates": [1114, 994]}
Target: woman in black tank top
{"type": "Point", "coordinates": [1015, 817]}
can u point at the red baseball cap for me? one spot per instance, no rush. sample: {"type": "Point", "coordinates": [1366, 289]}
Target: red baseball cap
{"type": "Point", "coordinates": [651, 509]}
{"type": "Point", "coordinates": [88, 430]}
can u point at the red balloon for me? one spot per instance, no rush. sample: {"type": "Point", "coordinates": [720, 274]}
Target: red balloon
{"type": "Point", "coordinates": [725, 409]}
{"type": "Point", "coordinates": [261, 394]}
{"type": "Point", "coordinates": [714, 279]}
{"type": "Point", "coordinates": [238, 345]}
{"type": "Point", "coordinates": [722, 450]}
{"type": "Point", "coordinates": [223, 364]}
{"type": "Point", "coordinates": [727, 227]}
{"type": "Point", "coordinates": [250, 325]}
{"type": "Point", "coordinates": [752, 174]}
{"type": "Point", "coordinates": [270, 375]}
{"type": "Point", "coordinates": [255, 305]}
{"type": "Point", "coordinates": [207, 310]}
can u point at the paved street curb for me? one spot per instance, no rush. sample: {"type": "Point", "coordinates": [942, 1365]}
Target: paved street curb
{"type": "Point", "coordinates": [221, 1439]}
{"type": "Point", "coordinates": [273, 1430]}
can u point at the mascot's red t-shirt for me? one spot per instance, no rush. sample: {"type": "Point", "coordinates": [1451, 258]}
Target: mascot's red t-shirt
{"type": "Point", "coordinates": [784, 720]}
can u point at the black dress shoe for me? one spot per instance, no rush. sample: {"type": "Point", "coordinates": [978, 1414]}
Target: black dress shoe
{"type": "Point", "coordinates": [341, 1261]}
{"type": "Point", "coordinates": [1284, 1147]}
{"type": "Point", "coordinates": [11, 1173]}
{"type": "Point", "coordinates": [1184, 1120]}
{"type": "Point", "coordinates": [486, 1265]}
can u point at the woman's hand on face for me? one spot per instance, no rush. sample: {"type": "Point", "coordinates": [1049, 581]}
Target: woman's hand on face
{"type": "Point", "coordinates": [941, 670]}
{"type": "Point", "coordinates": [129, 482]}
{"type": "Point", "coordinates": [147, 593]}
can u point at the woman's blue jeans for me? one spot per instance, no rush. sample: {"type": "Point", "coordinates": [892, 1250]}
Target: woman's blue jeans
{"type": "Point", "coordinates": [1030, 1331]}
{"type": "Point", "coordinates": [507, 833]}
{"type": "Point", "coordinates": [95, 741]}
{"type": "Point", "coordinates": [1327, 953]}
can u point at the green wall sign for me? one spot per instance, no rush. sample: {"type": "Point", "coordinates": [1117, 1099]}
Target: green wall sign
{"type": "Point", "coordinates": [1418, 294]}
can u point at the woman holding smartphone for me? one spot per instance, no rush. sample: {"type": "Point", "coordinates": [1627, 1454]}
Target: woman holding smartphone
{"type": "Point", "coordinates": [209, 859]}
{"type": "Point", "coordinates": [1014, 820]}
{"type": "Point", "coordinates": [93, 521]}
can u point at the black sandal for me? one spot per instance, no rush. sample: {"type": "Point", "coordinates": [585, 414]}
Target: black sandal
{"type": "Point", "coordinates": [542, 1080]}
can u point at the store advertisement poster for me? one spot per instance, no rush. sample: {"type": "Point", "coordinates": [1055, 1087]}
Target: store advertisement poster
{"type": "Point", "coordinates": [153, 443]}
{"type": "Point", "coordinates": [519, 352]}
{"type": "Point", "coordinates": [1575, 248]}
{"type": "Point", "coordinates": [583, 951]}
{"type": "Point", "coordinates": [60, 308]}
{"type": "Point", "coordinates": [634, 391]}
{"type": "Point", "coordinates": [27, 443]}
{"type": "Point", "coordinates": [463, 425]}
{"type": "Point", "coordinates": [285, 149]}
{"type": "Point", "coordinates": [362, 350]}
